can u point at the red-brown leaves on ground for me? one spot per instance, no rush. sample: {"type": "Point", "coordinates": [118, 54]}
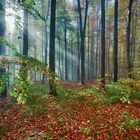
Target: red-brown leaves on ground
{"type": "Point", "coordinates": [76, 120]}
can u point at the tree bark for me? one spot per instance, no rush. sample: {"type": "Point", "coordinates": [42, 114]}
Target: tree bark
{"type": "Point", "coordinates": [103, 44]}
{"type": "Point", "coordinates": [2, 49]}
{"type": "Point", "coordinates": [25, 33]}
{"type": "Point", "coordinates": [128, 29]}
{"type": "Point", "coordinates": [82, 37]}
{"type": "Point", "coordinates": [115, 49]}
{"type": "Point", "coordinates": [52, 89]}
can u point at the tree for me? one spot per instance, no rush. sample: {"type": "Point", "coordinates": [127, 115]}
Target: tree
{"type": "Point", "coordinates": [25, 33]}
{"type": "Point", "coordinates": [46, 15]}
{"type": "Point", "coordinates": [2, 49]}
{"type": "Point", "coordinates": [24, 73]}
{"type": "Point", "coordinates": [115, 51]}
{"type": "Point", "coordinates": [103, 43]}
{"type": "Point", "coordinates": [65, 37]}
{"type": "Point", "coordinates": [82, 37]}
{"type": "Point", "coordinates": [52, 47]}
{"type": "Point", "coordinates": [128, 29]}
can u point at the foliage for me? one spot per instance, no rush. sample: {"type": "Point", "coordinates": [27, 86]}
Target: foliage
{"type": "Point", "coordinates": [27, 3]}
{"type": "Point", "coordinates": [3, 81]}
{"type": "Point", "coordinates": [130, 122]}
{"type": "Point", "coordinates": [20, 89]}
{"type": "Point", "coordinates": [6, 43]}
{"type": "Point", "coordinates": [22, 86]}
{"type": "Point", "coordinates": [44, 117]}
{"type": "Point", "coordinates": [125, 90]}
{"type": "Point", "coordinates": [36, 101]}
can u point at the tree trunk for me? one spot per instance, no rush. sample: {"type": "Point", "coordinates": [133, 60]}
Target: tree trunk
{"type": "Point", "coordinates": [115, 49]}
{"type": "Point", "coordinates": [65, 36]}
{"type": "Point", "coordinates": [82, 36]}
{"type": "Point", "coordinates": [88, 49]}
{"type": "Point", "coordinates": [23, 69]}
{"type": "Point", "coordinates": [59, 59]}
{"type": "Point", "coordinates": [2, 49]}
{"type": "Point", "coordinates": [103, 44]}
{"type": "Point", "coordinates": [78, 53]}
{"type": "Point", "coordinates": [92, 62]}
{"type": "Point", "coordinates": [52, 89]}
{"type": "Point", "coordinates": [128, 29]}
{"type": "Point", "coordinates": [46, 34]}
{"type": "Point", "coordinates": [25, 33]}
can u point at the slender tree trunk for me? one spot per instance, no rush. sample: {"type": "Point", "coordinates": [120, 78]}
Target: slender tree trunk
{"type": "Point", "coordinates": [59, 59]}
{"type": "Point", "coordinates": [62, 59]}
{"type": "Point", "coordinates": [2, 49]}
{"type": "Point", "coordinates": [23, 69]}
{"type": "Point", "coordinates": [128, 29]}
{"type": "Point", "coordinates": [103, 43]}
{"type": "Point", "coordinates": [43, 76]}
{"type": "Point", "coordinates": [25, 33]}
{"type": "Point", "coordinates": [65, 36]}
{"type": "Point", "coordinates": [97, 47]}
{"type": "Point", "coordinates": [72, 54]}
{"type": "Point", "coordinates": [92, 62]}
{"type": "Point", "coordinates": [46, 34]}
{"type": "Point", "coordinates": [35, 56]}
{"type": "Point", "coordinates": [52, 89]}
{"type": "Point", "coordinates": [88, 49]}
{"type": "Point", "coordinates": [82, 36]}
{"type": "Point", "coordinates": [78, 52]}
{"type": "Point", "coordinates": [115, 49]}
{"type": "Point", "coordinates": [109, 66]}
{"type": "Point", "coordinates": [135, 37]}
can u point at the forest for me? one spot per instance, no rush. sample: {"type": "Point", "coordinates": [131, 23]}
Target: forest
{"type": "Point", "coordinates": [69, 69]}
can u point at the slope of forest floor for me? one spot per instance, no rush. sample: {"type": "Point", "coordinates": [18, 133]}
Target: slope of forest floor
{"type": "Point", "coordinates": [79, 115]}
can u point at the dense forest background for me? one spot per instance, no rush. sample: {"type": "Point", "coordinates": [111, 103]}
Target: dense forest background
{"type": "Point", "coordinates": [80, 54]}
{"type": "Point", "coordinates": [69, 48]}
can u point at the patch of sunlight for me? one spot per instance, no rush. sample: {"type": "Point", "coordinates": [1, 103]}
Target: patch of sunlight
{"type": "Point", "coordinates": [11, 15]}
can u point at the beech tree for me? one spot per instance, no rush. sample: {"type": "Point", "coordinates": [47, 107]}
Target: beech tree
{"type": "Point", "coordinates": [128, 30]}
{"type": "Point", "coordinates": [82, 24]}
{"type": "Point", "coordinates": [52, 46]}
{"type": "Point", "coordinates": [25, 33]}
{"type": "Point", "coordinates": [103, 43]}
{"type": "Point", "coordinates": [115, 50]}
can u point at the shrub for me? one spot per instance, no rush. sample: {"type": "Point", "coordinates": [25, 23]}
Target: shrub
{"type": "Point", "coordinates": [125, 90]}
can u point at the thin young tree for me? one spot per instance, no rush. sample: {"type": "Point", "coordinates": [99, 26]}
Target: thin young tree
{"type": "Point", "coordinates": [115, 49]}
{"type": "Point", "coordinates": [52, 90]}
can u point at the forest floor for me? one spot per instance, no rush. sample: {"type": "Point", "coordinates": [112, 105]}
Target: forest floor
{"type": "Point", "coordinates": [80, 115]}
